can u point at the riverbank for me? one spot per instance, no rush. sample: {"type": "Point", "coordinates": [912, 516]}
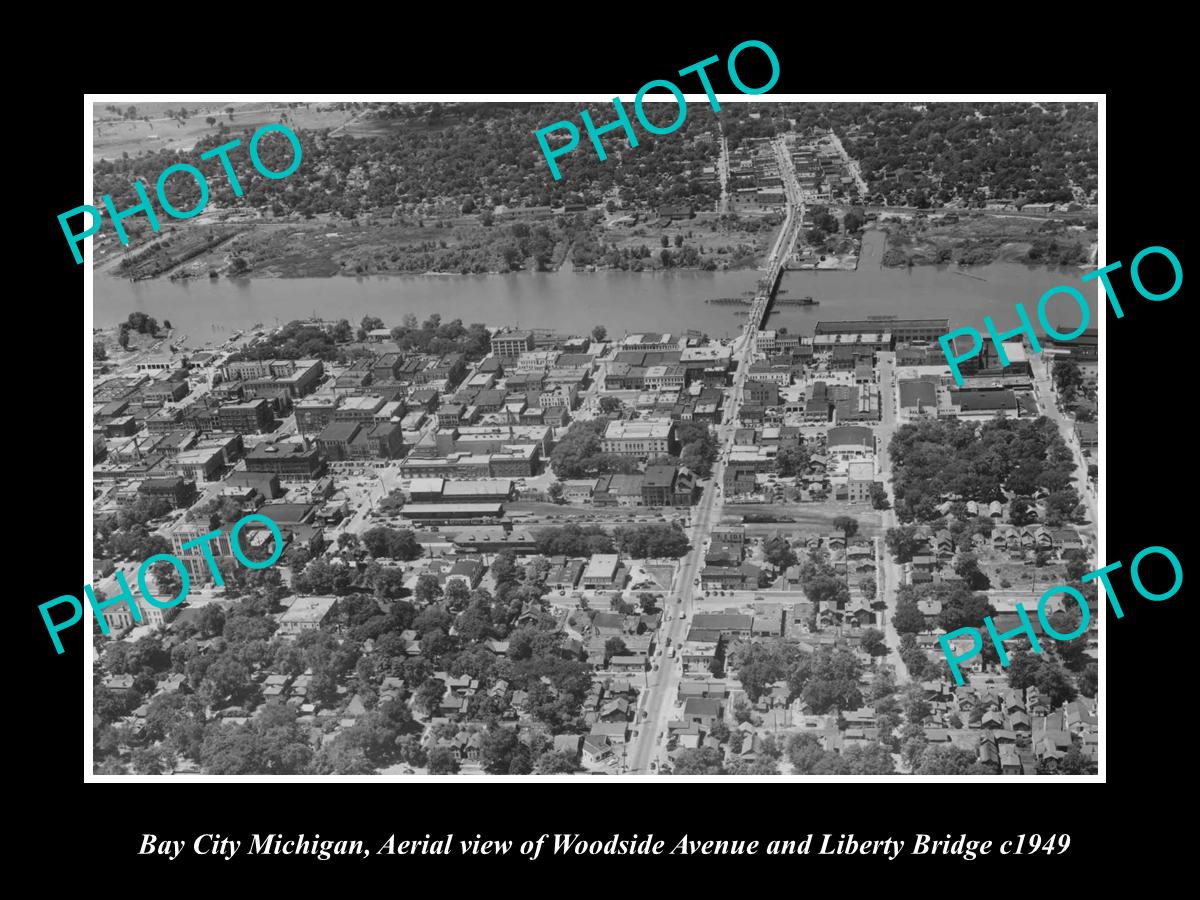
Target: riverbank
{"type": "Point", "coordinates": [977, 238]}
{"type": "Point", "coordinates": [467, 245]}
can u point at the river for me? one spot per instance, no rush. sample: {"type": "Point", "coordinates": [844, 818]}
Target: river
{"type": "Point", "coordinates": [572, 301]}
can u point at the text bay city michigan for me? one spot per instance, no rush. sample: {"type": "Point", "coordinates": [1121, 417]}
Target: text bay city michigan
{"type": "Point", "coordinates": [570, 844]}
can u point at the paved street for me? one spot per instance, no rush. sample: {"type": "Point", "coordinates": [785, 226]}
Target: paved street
{"type": "Point", "coordinates": [1048, 404]}
{"type": "Point", "coordinates": [888, 581]}
{"type": "Point", "coordinates": [663, 684]}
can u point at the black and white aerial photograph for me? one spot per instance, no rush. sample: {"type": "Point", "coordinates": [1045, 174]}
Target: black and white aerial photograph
{"type": "Point", "coordinates": [727, 454]}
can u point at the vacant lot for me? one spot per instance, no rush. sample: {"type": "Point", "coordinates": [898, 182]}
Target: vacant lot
{"type": "Point", "coordinates": [810, 518]}
{"type": "Point", "coordinates": [112, 136]}
{"type": "Point", "coordinates": [971, 239]}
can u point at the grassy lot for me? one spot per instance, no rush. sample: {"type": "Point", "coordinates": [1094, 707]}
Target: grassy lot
{"type": "Point", "coordinates": [111, 139]}
{"type": "Point", "coordinates": [977, 239]}
{"type": "Point", "coordinates": [1020, 575]}
{"type": "Point", "coordinates": [720, 240]}
{"type": "Point", "coordinates": [809, 517]}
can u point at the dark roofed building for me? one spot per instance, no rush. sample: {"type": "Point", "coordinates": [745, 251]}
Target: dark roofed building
{"type": "Point", "coordinates": [334, 439]}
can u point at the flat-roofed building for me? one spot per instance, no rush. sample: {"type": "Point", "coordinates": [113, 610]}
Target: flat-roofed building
{"type": "Point", "coordinates": [864, 340]}
{"type": "Point", "coordinates": [385, 440]}
{"type": "Point", "coordinates": [250, 417]}
{"type": "Point", "coordinates": [984, 404]}
{"type": "Point", "coordinates": [653, 341]}
{"type": "Point", "coordinates": [184, 532]}
{"type": "Point", "coordinates": [358, 409]}
{"type": "Point", "coordinates": [918, 399]}
{"type": "Point", "coordinates": [491, 490]}
{"type": "Point", "coordinates": [306, 614]}
{"type": "Point", "coordinates": [727, 624]}
{"type": "Point", "coordinates": [512, 343]}
{"type": "Point", "coordinates": [601, 571]}
{"type": "Point", "coordinates": [334, 440]}
{"type": "Point", "coordinates": [491, 438]}
{"type": "Point", "coordinates": [288, 461]}
{"type": "Point", "coordinates": [199, 464]}
{"type": "Point", "coordinates": [901, 330]}
{"type": "Point", "coordinates": [637, 438]}
{"type": "Point", "coordinates": [452, 510]}
{"type": "Point", "coordinates": [847, 442]}
{"type": "Point", "coordinates": [314, 413]}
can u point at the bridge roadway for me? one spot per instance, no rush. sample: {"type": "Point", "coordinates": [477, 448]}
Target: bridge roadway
{"type": "Point", "coordinates": [658, 699]}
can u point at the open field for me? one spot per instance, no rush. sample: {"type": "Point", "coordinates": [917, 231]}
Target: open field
{"type": "Point", "coordinates": [809, 518]}
{"type": "Point", "coordinates": [113, 137]}
{"type": "Point", "coordinates": [719, 244]}
{"type": "Point", "coordinates": [1019, 575]}
{"type": "Point", "coordinates": [978, 238]}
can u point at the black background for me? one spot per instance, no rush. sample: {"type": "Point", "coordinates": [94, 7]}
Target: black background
{"type": "Point", "coordinates": [1145, 432]}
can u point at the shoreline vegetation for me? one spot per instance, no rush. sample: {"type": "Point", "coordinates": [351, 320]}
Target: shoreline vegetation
{"type": "Point", "coordinates": [972, 238]}
{"type": "Point", "coordinates": [424, 188]}
{"type": "Point", "coordinates": [460, 246]}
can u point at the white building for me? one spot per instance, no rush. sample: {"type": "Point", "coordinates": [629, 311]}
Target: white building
{"type": "Point", "coordinates": [638, 438]}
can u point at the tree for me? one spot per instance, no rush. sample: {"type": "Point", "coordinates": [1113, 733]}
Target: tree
{"type": "Point", "coordinates": [846, 525]}
{"type": "Point", "coordinates": [827, 591]}
{"type": "Point", "coordinates": [1074, 762]}
{"type": "Point", "coordinates": [868, 587]}
{"type": "Point", "coordinates": [780, 555]}
{"type": "Point", "coordinates": [828, 680]}
{"type": "Point", "coordinates": [211, 620]}
{"type": "Point", "coordinates": [562, 762]}
{"type": "Point", "coordinates": [272, 744]}
{"type": "Point", "coordinates": [702, 761]}
{"type": "Point", "coordinates": [902, 542]}
{"type": "Point", "coordinates": [224, 680]}
{"type": "Point", "coordinates": [961, 608]}
{"type": "Point", "coordinates": [1045, 673]}
{"type": "Point", "coordinates": [879, 497]}
{"type": "Point", "coordinates": [966, 566]}
{"type": "Point", "coordinates": [429, 695]}
{"type": "Point", "coordinates": [152, 760]}
{"type": "Point", "coordinates": [649, 603]}
{"type": "Point", "coordinates": [609, 405]}
{"type": "Point", "coordinates": [599, 334]}
{"type": "Point", "coordinates": [614, 646]}
{"type": "Point", "coordinates": [871, 759]}
{"type": "Point", "coordinates": [760, 665]}
{"type": "Point", "coordinates": [427, 589]}
{"type": "Point", "coordinates": [805, 753]}
{"type": "Point", "coordinates": [1062, 506]}
{"type": "Point", "coordinates": [498, 749]}
{"type": "Point", "coordinates": [946, 759]}
{"type": "Point", "coordinates": [442, 761]}
{"type": "Point", "coordinates": [652, 540]}
{"type": "Point", "coordinates": [1021, 512]}
{"type": "Point", "coordinates": [791, 460]}
{"type": "Point", "coordinates": [1068, 379]}
{"type": "Point", "coordinates": [393, 543]}
{"type": "Point", "coordinates": [873, 642]}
